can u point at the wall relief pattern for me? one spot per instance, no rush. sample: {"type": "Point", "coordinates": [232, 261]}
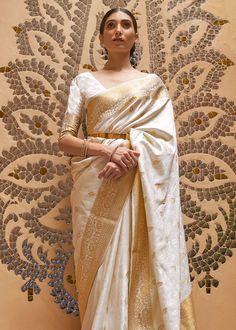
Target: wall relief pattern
{"type": "Point", "coordinates": [35, 224]}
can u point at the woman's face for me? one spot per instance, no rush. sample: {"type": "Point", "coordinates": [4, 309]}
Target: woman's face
{"type": "Point", "coordinates": [119, 34]}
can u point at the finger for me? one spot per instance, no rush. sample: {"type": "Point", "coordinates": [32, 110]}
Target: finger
{"type": "Point", "coordinates": [135, 160]}
{"type": "Point", "coordinates": [122, 171]}
{"type": "Point", "coordinates": [128, 164]}
{"type": "Point", "coordinates": [112, 169]}
{"type": "Point", "coordinates": [117, 177]}
{"type": "Point", "coordinates": [125, 160]}
{"type": "Point", "coordinates": [122, 165]}
{"type": "Point", "coordinates": [137, 153]}
{"type": "Point", "coordinates": [130, 161]}
{"type": "Point", "coordinates": [109, 171]}
{"type": "Point", "coordinates": [113, 174]}
{"type": "Point", "coordinates": [108, 176]}
{"type": "Point", "coordinates": [128, 156]}
{"type": "Point", "coordinates": [102, 173]}
{"type": "Point", "coordinates": [118, 174]}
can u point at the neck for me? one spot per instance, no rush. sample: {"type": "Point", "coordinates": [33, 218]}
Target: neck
{"type": "Point", "coordinates": [118, 62]}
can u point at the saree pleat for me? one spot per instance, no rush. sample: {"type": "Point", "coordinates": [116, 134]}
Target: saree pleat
{"type": "Point", "coordinates": [107, 204]}
{"type": "Point", "coordinates": [141, 300]}
{"type": "Point", "coordinates": [130, 255]}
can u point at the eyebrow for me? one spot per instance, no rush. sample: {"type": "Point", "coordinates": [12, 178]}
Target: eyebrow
{"type": "Point", "coordinates": [123, 20]}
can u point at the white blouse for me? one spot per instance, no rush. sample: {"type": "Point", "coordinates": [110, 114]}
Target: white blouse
{"type": "Point", "coordinates": [82, 88]}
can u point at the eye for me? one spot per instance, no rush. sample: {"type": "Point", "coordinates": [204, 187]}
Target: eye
{"type": "Point", "coordinates": [127, 24]}
{"type": "Point", "coordinates": [110, 25]}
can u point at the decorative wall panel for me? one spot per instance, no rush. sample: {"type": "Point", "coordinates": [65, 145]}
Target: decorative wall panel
{"type": "Point", "coordinates": [191, 45]}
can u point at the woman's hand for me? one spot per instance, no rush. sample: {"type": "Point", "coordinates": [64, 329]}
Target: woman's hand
{"type": "Point", "coordinates": [111, 171]}
{"type": "Point", "coordinates": [125, 158]}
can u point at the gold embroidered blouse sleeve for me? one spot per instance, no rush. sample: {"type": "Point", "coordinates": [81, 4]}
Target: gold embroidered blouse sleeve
{"type": "Point", "coordinates": [73, 115]}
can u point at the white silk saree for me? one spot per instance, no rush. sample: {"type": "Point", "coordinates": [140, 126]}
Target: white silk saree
{"type": "Point", "coordinates": [130, 255]}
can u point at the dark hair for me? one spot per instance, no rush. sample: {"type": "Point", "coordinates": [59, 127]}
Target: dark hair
{"type": "Point", "coordinates": [115, 10]}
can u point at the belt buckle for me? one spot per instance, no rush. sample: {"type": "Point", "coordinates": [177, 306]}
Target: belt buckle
{"type": "Point", "coordinates": [127, 136]}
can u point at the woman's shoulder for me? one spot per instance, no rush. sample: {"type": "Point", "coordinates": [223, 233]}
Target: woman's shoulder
{"type": "Point", "coordinates": [154, 75]}
{"type": "Point", "coordinates": [82, 76]}
{"type": "Point", "coordinates": [83, 80]}
{"type": "Point", "coordinates": [150, 74]}
{"type": "Point", "coordinates": [158, 79]}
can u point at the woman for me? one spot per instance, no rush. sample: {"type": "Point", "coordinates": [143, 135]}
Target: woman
{"type": "Point", "coordinates": [130, 257]}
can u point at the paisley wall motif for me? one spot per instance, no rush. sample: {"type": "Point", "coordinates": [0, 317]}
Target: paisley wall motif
{"type": "Point", "coordinates": [187, 43]}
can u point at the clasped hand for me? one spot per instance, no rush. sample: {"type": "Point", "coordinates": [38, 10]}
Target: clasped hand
{"type": "Point", "coordinates": [122, 160]}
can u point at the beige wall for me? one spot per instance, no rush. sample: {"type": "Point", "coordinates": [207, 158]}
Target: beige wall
{"type": "Point", "coordinates": [197, 64]}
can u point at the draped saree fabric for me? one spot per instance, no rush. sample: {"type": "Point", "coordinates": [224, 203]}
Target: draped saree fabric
{"type": "Point", "coordinates": [130, 256]}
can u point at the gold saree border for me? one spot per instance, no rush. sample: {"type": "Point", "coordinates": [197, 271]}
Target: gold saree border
{"type": "Point", "coordinates": [130, 85]}
{"type": "Point", "coordinates": [187, 317]}
{"type": "Point", "coordinates": [123, 98]}
{"type": "Point", "coordinates": [70, 125]}
{"type": "Point", "coordinates": [99, 229]}
{"type": "Point", "coordinates": [140, 303]}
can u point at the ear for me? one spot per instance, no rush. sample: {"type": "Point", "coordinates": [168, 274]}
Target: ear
{"type": "Point", "coordinates": [136, 37]}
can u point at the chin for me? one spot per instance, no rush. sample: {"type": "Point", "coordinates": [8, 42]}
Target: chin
{"type": "Point", "coordinates": [119, 49]}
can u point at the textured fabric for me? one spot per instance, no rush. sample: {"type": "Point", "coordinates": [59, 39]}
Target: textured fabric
{"type": "Point", "coordinates": [130, 255]}
{"type": "Point", "coordinates": [82, 88]}
{"type": "Point", "coordinates": [191, 44]}
{"type": "Point", "coordinates": [187, 314]}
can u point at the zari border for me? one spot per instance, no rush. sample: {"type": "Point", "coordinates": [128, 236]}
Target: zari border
{"type": "Point", "coordinates": [140, 302]}
{"type": "Point", "coordinates": [98, 232]}
{"type": "Point", "coordinates": [187, 319]}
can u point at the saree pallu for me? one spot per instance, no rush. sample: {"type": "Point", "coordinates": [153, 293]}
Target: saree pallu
{"type": "Point", "coordinates": [130, 255]}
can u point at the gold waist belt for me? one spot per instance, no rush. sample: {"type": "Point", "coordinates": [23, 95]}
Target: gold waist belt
{"type": "Point", "coordinates": [111, 135]}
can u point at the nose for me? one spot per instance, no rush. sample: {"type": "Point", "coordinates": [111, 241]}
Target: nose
{"type": "Point", "coordinates": [118, 29]}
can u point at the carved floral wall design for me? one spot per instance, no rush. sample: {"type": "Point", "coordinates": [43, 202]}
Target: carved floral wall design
{"type": "Point", "coordinates": [35, 223]}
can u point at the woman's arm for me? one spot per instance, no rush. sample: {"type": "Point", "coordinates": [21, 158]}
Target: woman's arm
{"type": "Point", "coordinates": [114, 169]}
{"type": "Point", "coordinates": [73, 145]}
{"type": "Point", "coordinates": [123, 156]}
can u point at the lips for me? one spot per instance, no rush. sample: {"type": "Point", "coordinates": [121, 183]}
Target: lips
{"type": "Point", "coordinates": [118, 39]}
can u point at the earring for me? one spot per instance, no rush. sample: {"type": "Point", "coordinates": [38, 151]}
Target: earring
{"type": "Point", "coordinates": [135, 55]}
{"type": "Point", "coordinates": [104, 53]}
